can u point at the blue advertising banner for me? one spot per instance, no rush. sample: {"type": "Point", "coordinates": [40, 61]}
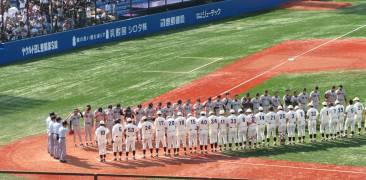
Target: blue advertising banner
{"type": "Point", "coordinates": [16, 51]}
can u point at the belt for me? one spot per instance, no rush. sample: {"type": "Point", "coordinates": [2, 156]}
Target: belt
{"type": "Point", "coordinates": [88, 123]}
{"type": "Point", "coordinates": [62, 137]}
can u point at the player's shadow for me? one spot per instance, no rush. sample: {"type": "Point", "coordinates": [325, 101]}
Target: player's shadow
{"type": "Point", "coordinates": [319, 146]}
{"type": "Point", "coordinates": [14, 104]}
{"type": "Point", "coordinates": [80, 162]}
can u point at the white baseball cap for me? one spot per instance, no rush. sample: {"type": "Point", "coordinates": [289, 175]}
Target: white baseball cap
{"type": "Point", "coordinates": [159, 113]}
{"type": "Point", "coordinates": [143, 118]}
{"type": "Point", "coordinates": [240, 110]}
{"type": "Point", "coordinates": [279, 107]}
{"type": "Point", "coordinates": [337, 102]}
{"type": "Point", "coordinates": [290, 107]}
{"type": "Point", "coordinates": [232, 111]}
{"type": "Point", "coordinates": [248, 111]}
{"type": "Point", "coordinates": [203, 113]}
{"type": "Point", "coordinates": [356, 99]}
{"type": "Point", "coordinates": [324, 103]}
{"type": "Point", "coordinates": [101, 122]}
{"type": "Point", "coordinates": [310, 104]}
{"type": "Point", "coordinates": [222, 112]}
{"type": "Point", "coordinates": [211, 112]}
{"type": "Point", "coordinates": [296, 107]}
{"type": "Point", "coordinates": [189, 114]}
{"type": "Point", "coordinates": [129, 120]}
{"type": "Point", "coordinates": [179, 114]}
{"type": "Point", "coordinates": [260, 108]}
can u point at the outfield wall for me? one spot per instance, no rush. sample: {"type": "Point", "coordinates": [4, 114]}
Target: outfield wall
{"type": "Point", "coordinates": [22, 50]}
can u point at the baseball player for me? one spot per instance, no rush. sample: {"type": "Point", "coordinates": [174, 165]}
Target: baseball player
{"type": "Point", "coordinates": [172, 135]}
{"type": "Point", "coordinates": [178, 107]}
{"type": "Point", "coordinates": [303, 100]}
{"type": "Point", "coordinates": [341, 95]}
{"type": "Point", "coordinates": [99, 116]}
{"type": "Point", "coordinates": [197, 108]}
{"type": "Point", "coordinates": [181, 132]}
{"type": "Point", "coordinates": [236, 104]}
{"type": "Point", "coordinates": [160, 127]}
{"type": "Point", "coordinates": [300, 117]}
{"type": "Point", "coordinates": [218, 105]}
{"type": "Point", "coordinates": [49, 121]}
{"type": "Point", "coordinates": [243, 129]}
{"type": "Point", "coordinates": [150, 111]}
{"type": "Point", "coordinates": [295, 99]}
{"type": "Point", "coordinates": [146, 128]}
{"type": "Point", "coordinates": [271, 118]}
{"type": "Point", "coordinates": [276, 101]}
{"type": "Point", "coordinates": [252, 128]}
{"type": "Point", "coordinates": [291, 124]}
{"type": "Point", "coordinates": [265, 101]}
{"type": "Point", "coordinates": [350, 118]}
{"type": "Point", "coordinates": [312, 116]}
{"type": "Point", "coordinates": [233, 129]}
{"type": "Point", "coordinates": [203, 131]}
{"type": "Point", "coordinates": [246, 102]}
{"type": "Point", "coordinates": [213, 130]}
{"type": "Point", "coordinates": [101, 139]}
{"type": "Point", "coordinates": [281, 121]}
{"type": "Point", "coordinates": [314, 97]}
{"type": "Point", "coordinates": [117, 136]}
{"type": "Point", "coordinates": [187, 107]}
{"type": "Point", "coordinates": [222, 130]}
{"type": "Point", "coordinates": [330, 95]}
{"type": "Point", "coordinates": [130, 133]}
{"type": "Point", "coordinates": [168, 110]}
{"type": "Point", "coordinates": [109, 121]}
{"type": "Point", "coordinates": [261, 125]}
{"type": "Point", "coordinates": [56, 126]}
{"type": "Point", "coordinates": [74, 119]}
{"type": "Point", "coordinates": [324, 121]}
{"type": "Point", "coordinates": [333, 121]}
{"type": "Point", "coordinates": [128, 113]}
{"type": "Point", "coordinates": [340, 124]}
{"type": "Point", "coordinates": [117, 112]}
{"type": "Point", "coordinates": [139, 112]}
{"type": "Point", "coordinates": [256, 103]}
{"type": "Point", "coordinates": [359, 112]}
{"type": "Point", "coordinates": [227, 103]}
{"type": "Point", "coordinates": [191, 126]}
{"type": "Point", "coordinates": [88, 117]}
{"type": "Point", "coordinates": [287, 99]}
{"type": "Point", "coordinates": [62, 142]}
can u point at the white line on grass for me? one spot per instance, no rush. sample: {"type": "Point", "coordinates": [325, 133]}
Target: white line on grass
{"type": "Point", "coordinates": [217, 59]}
{"type": "Point", "coordinates": [293, 59]}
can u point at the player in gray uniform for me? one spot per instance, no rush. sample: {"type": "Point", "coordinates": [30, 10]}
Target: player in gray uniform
{"type": "Point", "coordinates": [287, 100]}
{"type": "Point", "coordinates": [256, 103]}
{"type": "Point", "coordinates": [74, 119]}
{"type": "Point", "coordinates": [303, 99]}
{"type": "Point", "coordinates": [187, 107]}
{"type": "Point", "coordinates": [88, 117]}
{"type": "Point", "coordinates": [295, 99]}
{"type": "Point", "coordinates": [117, 112]}
{"type": "Point", "coordinates": [62, 142]}
{"type": "Point", "coordinates": [276, 101]}
{"type": "Point", "coordinates": [226, 102]}
{"type": "Point", "coordinates": [341, 95]}
{"type": "Point", "coordinates": [314, 97]}
{"type": "Point", "coordinates": [139, 113]}
{"type": "Point", "coordinates": [265, 101]}
{"type": "Point", "coordinates": [218, 105]}
{"type": "Point", "coordinates": [178, 107]}
{"type": "Point", "coordinates": [150, 112]}
{"type": "Point", "coordinates": [109, 122]}
{"type": "Point", "coordinates": [246, 102]}
{"type": "Point", "coordinates": [197, 107]}
{"type": "Point", "coordinates": [236, 104]}
{"type": "Point", "coordinates": [168, 110]}
{"type": "Point", "coordinates": [330, 95]}
{"type": "Point", "coordinates": [208, 105]}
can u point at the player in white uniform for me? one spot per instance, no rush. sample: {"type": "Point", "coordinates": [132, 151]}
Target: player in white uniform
{"type": "Point", "coordinates": [243, 129]}
{"type": "Point", "coordinates": [146, 128]}
{"type": "Point", "coordinates": [101, 139]}
{"type": "Point", "coordinates": [271, 118]}
{"type": "Point", "coordinates": [333, 121]}
{"type": "Point", "coordinates": [191, 126]}
{"type": "Point", "coordinates": [340, 124]}
{"type": "Point", "coordinates": [130, 133]}
{"type": "Point", "coordinates": [181, 132]}
{"type": "Point", "coordinates": [203, 131]}
{"type": "Point", "coordinates": [213, 130]}
{"type": "Point", "coordinates": [88, 117]}
{"type": "Point", "coordinates": [300, 117]}
{"type": "Point", "coordinates": [233, 129]}
{"type": "Point", "coordinates": [261, 125]}
{"type": "Point", "coordinates": [222, 134]}
{"type": "Point", "coordinates": [281, 121]}
{"type": "Point", "coordinates": [315, 97]}
{"type": "Point", "coordinates": [62, 142]}
{"type": "Point", "coordinates": [252, 128]}
{"type": "Point", "coordinates": [350, 118]}
{"type": "Point", "coordinates": [324, 121]}
{"type": "Point", "coordinates": [171, 135]}
{"type": "Point", "coordinates": [359, 112]}
{"type": "Point", "coordinates": [49, 121]}
{"type": "Point", "coordinates": [56, 126]}
{"type": "Point", "coordinates": [74, 119]}
{"type": "Point", "coordinates": [160, 126]}
{"type": "Point", "coordinates": [117, 136]}
{"type": "Point", "coordinates": [312, 116]}
{"type": "Point", "coordinates": [291, 124]}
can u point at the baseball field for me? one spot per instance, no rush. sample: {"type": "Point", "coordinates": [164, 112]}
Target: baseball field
{"type": "Point", "coordinates": [245, 54]}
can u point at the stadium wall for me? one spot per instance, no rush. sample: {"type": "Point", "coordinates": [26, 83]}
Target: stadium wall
{"type": "Point", "coordinates": [21, 50]}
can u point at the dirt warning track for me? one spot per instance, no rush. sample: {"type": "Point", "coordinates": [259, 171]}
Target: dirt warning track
{"type": "Point", "coordinates": [31, 154]}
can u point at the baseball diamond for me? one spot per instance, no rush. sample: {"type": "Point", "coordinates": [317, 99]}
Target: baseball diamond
{"type": "Point", "coordinates": [274, 95]}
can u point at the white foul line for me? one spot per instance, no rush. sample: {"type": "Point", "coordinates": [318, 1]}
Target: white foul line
{"type": "Point", "coordinates": [296, 167]}
{"type": "Point", "coordinates": [292, 59]}
{"type": "Point", "coordinates": [217, 59]}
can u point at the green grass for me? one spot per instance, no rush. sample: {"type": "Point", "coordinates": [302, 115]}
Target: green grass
{"type": "Point", "coordinates": [10, 177]}
{"type": "Point", "coordinates": [113, 72]}
{"type": "Point", "coordinates": [350, 151]}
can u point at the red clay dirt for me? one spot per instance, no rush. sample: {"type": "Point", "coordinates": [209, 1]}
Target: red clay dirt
{"type": "Point", "coordinates": [316, 5]}
{"type": "Point", "coordinates": [30, 153]}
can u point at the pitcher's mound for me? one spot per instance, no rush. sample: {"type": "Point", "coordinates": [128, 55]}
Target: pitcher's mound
{"type": "Point", "coordinates": [316, 5]}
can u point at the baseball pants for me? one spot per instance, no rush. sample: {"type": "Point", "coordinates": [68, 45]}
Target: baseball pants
{"type": "Point", "coordinates": [349, 123]}
{"type": "Point", "coordinates": [102, 147]}
{"type": "Point", "coordinates": [181, 140]}
{"type": "Point", "coordinates": [203, 138]}
{"type": "Point", "coordinates": [233, 135]}
{"type": "Point", "coordinates": [252, 134]}
{"type": "Point", "coordinates": [130, 144]}
{"type": "Point", "coordinates": [77, 132]}
{"type": "Point", "coordinates": [62, 149]}
{"type": "Point", "coordinates": [50, 144]}
{"type": "Point", "coordinates": [312, 126]}
{"type": "Point", "coordinates": [242, 135]}
{"type": "Point", "coordinates": [160, 138]}
{"type": "Point", "coordinates": [265, 109]}
{"type": "Point", "coordinates": [291, 130]}
{"type": "Point", "coordinates": [324, 127]}
{"type": "Point", "coordinates": [260, 133]}
{"type": "Point", "coordinates": [88, 132]}
{"type": "Point", "coordinates": [172, 141]}
{"type": "Point", "coordinates": [192, 139]}
{"type": "Point", "coordinates": [55, 146]}
{"type": "Point", "coordinates": [333, 126]}
{"type": "Point", "coordinates": [358, 119]}
{"type": "Point", "coordinates": [271, 130]}
{"type": "Point", "coordinates": [222, 137]}
{"type": "Point", "coordinates": [282, 131]}
{"type": "Point", "coordinates": [213, 137]}
{"type": "Point", "coordinates": [117, 144]}
{"type": "Point", "coordinates": [301, 130]}
{"type": "Point", "coordinates": [340, 124]}
{"type": "Point", "coordinates": [147, 142]}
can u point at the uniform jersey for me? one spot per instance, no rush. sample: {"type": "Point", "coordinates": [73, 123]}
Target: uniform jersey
{"type": "Point", "coordinates": [226, 103]}
{"type": "Point", "coordinates": [300, 114]}
{"type": "Point", "coordinates": [88, 117]}
{"type": "Point", "coordinates": [265, 100]}
{"type": "Point", "coordinates": [139, 113]}
{"type": "Point", "coordinates": [281, 118]}
{"type": "Point", "coordinates": [255, 103]}
{"type": "Point", "coordinates": [312, 114]}
{"type": "Point", "coordinates": [187, 108]}
{"type": "Point", "coordinates": [271, 118]}
{"type": "Point", "coordinates": [75, 120]}
{"type": "Point", "coordinates": [149, 112]}
{"type": "Point", "coordinates": [223, 122]}
{"type": "Point", "coordinates": [251, 120]}
{"type": "Point", "coordinates": [99, 116]}
{"type": "Point", "coordinates": [291, 117]}
{"type": "Point", "coordinates": [276, 101]}
{"type": "Point", "coordinates": [203, 124]}
{"type": "Point", "coordinates": [287, 99]}
{"type": "Point", "coordinates": [351, 112]}
{"type": "Point", "coordinates": [191, 124]}
{"type": "Point", "coordinates": [332, 96]}
{"type": "Point", "coordinates": [160, 124]}
{"type": "Point", "coordinates": [340, 111]}
{"type": "Point", "coordinates": [242, 122]}
{"type": "Point", "coordinates": [131, 130]}
{"type": "Point", "coordinates": [235, 104]}
{"type": "Point", "coordinates": [55, 127]}
{"type": "Point", "coordinates": [172, 126]}
{"type": "Point", "coordinates": [50, 127]}
{"type": "Point", "coordinates": [232, 122]}
{"type": "Point", "coordinates": [260, 118]}
{"type": "Point", "coordinates": [218, 105]}
{"type": "Point", "coordinates": [303, 98]}
{"type": "Point", "coordinates": [181, 125]}
{"type": "Point", "coordinates": [295, 100]}
{"type": "Point", "coordinates": [333, 113]}
{"type": "Point", "coordinates": [178, 107]}
{"type": "Point", "coordinates": [325, 114]}
{"type": "Point", "coordinates": [146, 129]}
{"type": "Point", "coordinates": [169, 111]}
{"type": "Point", "coordinates": [197, 107]}
{"type": "Point", "coordinates": [117, 131]}
{"type": "Point", "coordinates": [341, 95]}
{"type": "Point", "coordinates": [62, 132]}
{"type": "Point", "coordinates": [359, 108]}
{"type": "Point", "coordinates": [117, 112]}
{"type": "Point", "coordinates": [315, 97]}
{"type": "Point", "coordinates": [213, 123]}
{"type": "Point", "coordinates": [110, 116]}
{"type": "Point", "coordinates": [101, 134]}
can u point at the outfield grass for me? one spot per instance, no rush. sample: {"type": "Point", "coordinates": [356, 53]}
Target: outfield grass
{"type": "Point", "coordinates": [351, 151]}
{"type": "Point", "coordinates": [113, 72]}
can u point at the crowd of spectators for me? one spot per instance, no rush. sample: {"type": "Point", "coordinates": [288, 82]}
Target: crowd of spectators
{"type": "Point", "coordinates": [28, 18]}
